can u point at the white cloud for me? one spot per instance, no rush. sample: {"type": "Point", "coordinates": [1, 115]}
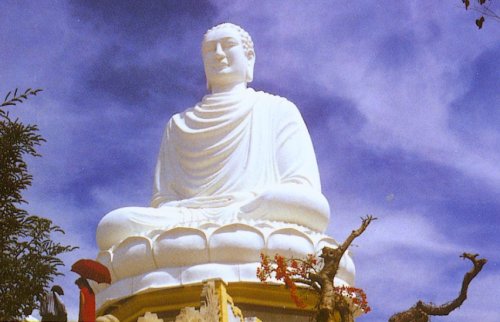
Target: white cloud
{"type": "Point", "coordinates": [393, 230]}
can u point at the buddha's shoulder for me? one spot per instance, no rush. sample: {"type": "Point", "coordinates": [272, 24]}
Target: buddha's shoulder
{"type": "Point", "coordinates": [179, 116]}
{"type": "Point", "coordinates": [276, 101]}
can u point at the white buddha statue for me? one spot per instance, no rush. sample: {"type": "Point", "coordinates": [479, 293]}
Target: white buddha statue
{"type": "Point", "coordinates": [237, 155]}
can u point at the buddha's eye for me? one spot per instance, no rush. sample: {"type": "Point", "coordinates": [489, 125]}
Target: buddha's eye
{"type": "Point", "coordinates": [229, 44]}
{"type": "Point", "coordinates": [208, 47]}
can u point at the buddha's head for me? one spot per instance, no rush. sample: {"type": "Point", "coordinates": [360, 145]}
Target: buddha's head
{"type": "Point", "coordinates": [228, 56]}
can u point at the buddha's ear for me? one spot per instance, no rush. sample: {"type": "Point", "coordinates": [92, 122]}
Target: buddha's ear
{"type": "Point", "coordinates": [250, 65]}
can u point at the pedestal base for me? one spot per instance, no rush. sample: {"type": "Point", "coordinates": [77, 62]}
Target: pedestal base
{"type": "Point", "coordinates": [184, 256]}
{"type": "Point", "coordinates": [239, 301]}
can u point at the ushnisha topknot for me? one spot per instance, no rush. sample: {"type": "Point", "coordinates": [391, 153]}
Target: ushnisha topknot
{"type": "Point", "coordinates": [245, 37]}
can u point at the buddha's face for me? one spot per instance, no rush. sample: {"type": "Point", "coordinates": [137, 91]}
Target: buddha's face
{"type": "Point", "coordinates": [224, 57]}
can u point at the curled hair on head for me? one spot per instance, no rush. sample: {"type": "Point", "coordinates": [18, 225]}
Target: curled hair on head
{"type": "Point", "coordinates": [246, 40]}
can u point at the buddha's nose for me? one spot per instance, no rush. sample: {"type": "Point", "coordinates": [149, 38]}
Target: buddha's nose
{"type": "Point", "coordinates": [219, 53]}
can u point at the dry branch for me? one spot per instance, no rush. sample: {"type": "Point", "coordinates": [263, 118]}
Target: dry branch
{"type": "Point", "coordinates": [330, 302]}
{"type": "Point", "coordinates": [421, 311]}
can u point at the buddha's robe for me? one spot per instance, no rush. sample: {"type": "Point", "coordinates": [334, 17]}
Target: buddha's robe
{"type": "Point", "coordinates": [245, 155]}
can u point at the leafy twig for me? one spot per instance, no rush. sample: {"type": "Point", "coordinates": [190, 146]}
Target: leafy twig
{"type": "Point", "coordinates": [482, 7]}
{"type": "Point", "coordinates": [19, 98]}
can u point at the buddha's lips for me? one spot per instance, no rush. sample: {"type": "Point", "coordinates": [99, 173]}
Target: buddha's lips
{"type": "Point", "coordinates": [220, 64]}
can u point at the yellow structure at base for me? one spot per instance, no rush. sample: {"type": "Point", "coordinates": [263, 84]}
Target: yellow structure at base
{"type": "Point", "coordinates": [233, 300]}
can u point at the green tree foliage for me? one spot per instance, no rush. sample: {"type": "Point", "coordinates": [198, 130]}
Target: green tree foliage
{"type": "Point", "coordinates": [28, 262]}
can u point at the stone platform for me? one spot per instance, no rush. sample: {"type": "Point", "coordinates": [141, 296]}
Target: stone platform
{"type": "Point", "coordinates": [228, 302]}
{"type": "Point", "coordinates": [187, 255]}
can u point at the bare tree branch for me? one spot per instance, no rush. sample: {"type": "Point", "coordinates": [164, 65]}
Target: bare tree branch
{"type": "Point", "coordinates": [446, 308]}
{"type": "Point", "coordinates": [303, 281]}
{"type": "Point", "coordinates": [329, 301]}
{"type": "Point", "coordinates": [315, 278]}
{"type": "Point", "coordinates": [421, 311]}
{"type": "Point", "coordinates": [356, 233]}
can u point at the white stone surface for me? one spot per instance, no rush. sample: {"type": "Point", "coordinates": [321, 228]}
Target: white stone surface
{"type": "Point", "coordinates": [252, 158]}
{"type": "Point", "coordinates": [232, 253]}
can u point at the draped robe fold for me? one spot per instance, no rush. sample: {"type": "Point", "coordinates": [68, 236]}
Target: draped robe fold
{"type": "Point", "coordinates": [232, 156]}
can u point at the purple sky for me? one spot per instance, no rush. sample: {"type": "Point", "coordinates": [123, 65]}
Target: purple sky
{"type": "Point", "coordinates": [402, 99]}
